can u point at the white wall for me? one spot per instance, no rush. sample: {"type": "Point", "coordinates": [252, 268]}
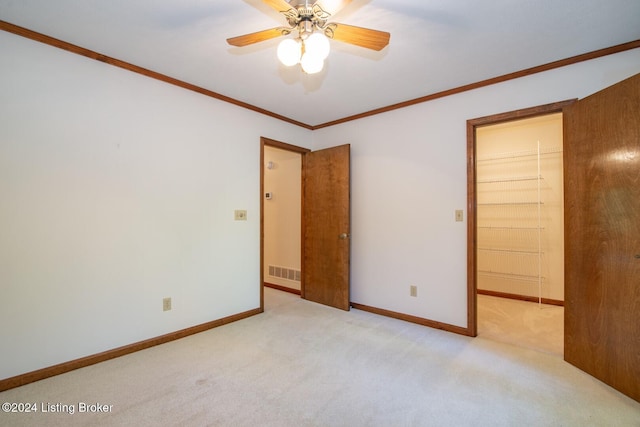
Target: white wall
{"type": "Point", "coordinates": [117, 190]}
{"type": "Point", "coordinates": [408, 173]}
{"type": "Point", "coordinates": [282, 215]}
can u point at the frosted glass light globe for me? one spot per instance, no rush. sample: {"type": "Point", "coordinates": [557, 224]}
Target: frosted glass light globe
{"type": "Point", "coordinates": [289, 52]}
{"type": "Point", "coordinates": [318, 45]}
{"type": "Point", "coordinates": [311, 64]}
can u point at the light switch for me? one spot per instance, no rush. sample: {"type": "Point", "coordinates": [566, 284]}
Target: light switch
{"type": "Point", "coordinates": [240, 215]}
{"type": "Point", "coordinates": [459, 215]}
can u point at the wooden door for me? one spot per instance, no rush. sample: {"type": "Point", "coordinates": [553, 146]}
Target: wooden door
{"type": "Point", "coordinates": [602, 235]}
{"type": "Point", "coordinates": [326, 234]}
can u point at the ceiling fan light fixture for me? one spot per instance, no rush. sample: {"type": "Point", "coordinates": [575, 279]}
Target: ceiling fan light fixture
{"type": "Point", "coordinates": [310, 21]}
{"type": "Point", "coordinates": [289, 51]}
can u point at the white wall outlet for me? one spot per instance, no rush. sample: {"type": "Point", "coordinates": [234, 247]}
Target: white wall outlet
{"type": "Point", "coordinates": [413, 290]}
{"type": "Point", "coordinates": [166, 304]}
{"type": "Point", "coordinates": [240, 215]}
{"type": "Point", "coordinates": [459, 215]}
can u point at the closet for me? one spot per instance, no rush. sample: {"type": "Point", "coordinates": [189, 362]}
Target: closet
{"type": "Point", "coordinates": [520, 218]}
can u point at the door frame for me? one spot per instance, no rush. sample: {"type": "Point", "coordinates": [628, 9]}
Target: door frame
{"type": "Point", "coordinates": [267, 142]}
{"type": "Point", "coordinates": [472, 124]}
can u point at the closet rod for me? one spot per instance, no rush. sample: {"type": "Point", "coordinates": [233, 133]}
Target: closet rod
{"type": "Point", "coordinates": [524, 277]}
{"type": "Point", "coordinates": [510, 204]}
{"type": "Point", "coordinates": [515, 251]}
{"type": "Point", "coordinates": [491, 227]}
{"type": "Point", "coordinates": [491, 181]}
{"type": "Point", "coordinates": [518, 154]}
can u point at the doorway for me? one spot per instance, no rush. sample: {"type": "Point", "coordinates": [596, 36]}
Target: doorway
{"type": "Point", "coordinates": [516, 228]}
{"type": "Point", "coordinates": [282, 219]}
{"type": "Point", "coordinates": [322, 204]}
{"type": "Point", "coordinates": [280, 216]}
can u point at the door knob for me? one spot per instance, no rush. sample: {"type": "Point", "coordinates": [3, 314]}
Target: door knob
{"type": "Point", "coordinates": [343, 236]}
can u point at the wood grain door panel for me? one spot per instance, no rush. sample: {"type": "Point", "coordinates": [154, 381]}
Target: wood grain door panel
{"type": "Point", "coordinates": [326, 227]}
{"type": "Point", "coordinates": [602, 235]}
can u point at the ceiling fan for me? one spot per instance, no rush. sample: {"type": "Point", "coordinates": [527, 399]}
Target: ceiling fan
{"type": "Point", "coordinates": [311, 46]}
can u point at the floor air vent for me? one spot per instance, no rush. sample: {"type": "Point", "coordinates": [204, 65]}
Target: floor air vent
{"type": "Point", "coordinates": [284, 273]}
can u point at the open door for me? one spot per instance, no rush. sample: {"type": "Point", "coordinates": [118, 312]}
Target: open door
{"type": "Point", "coordinates": [602, 235]}
{"type": "Point", "coordinates": [326, 222]}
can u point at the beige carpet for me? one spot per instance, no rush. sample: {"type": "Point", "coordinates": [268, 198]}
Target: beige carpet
{"type": "Point", "coordinates": [303, 364]}
{"type": "Point", "coordinates": [527, 324]}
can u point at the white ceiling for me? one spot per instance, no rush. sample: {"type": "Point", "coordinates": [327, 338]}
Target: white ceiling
{"type": "Point", "coordinates": [435, 45]}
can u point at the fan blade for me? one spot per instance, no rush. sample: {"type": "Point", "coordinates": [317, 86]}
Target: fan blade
{"type": "Point", "coordinates": [260, 36]}
{"type": "Point", "coordinates": [278, 5]}
{"type": "Point", "coordinates": [363, 37]}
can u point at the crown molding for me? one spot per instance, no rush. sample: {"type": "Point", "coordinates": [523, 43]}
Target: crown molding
{"type": "Point", "coordinates": [61, 44]}
{"type": "Point", "coordinates": [51, 41]}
